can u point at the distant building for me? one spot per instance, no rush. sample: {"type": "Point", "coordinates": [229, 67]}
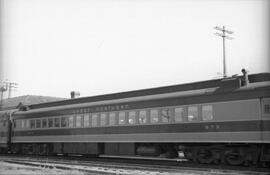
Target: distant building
{"type": "Point", "coordinates": [17, 102]}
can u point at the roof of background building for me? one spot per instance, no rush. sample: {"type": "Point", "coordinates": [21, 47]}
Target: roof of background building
{"type": "Point", "coordinates": [26, 100]}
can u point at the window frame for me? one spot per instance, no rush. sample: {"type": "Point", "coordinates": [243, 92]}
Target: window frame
{"type": "Point", "coordinates": [110, 116]}
{"type": "Point", "coordinates": [44, 119]}
{"type": "Point", "coordinates": [23, 124]}
{"type": "Point", "coordinates": [31, 122]}
{"type": "Point", "coordinates": [212, 112]}
{"type": "Point", "coordinates": [64, 120]}
{"type": "Point", "coordinates": [96, 116]}
{"type": "Point", "coordinates": [48, 122]}
{"type": "Point", "coordinates": [119, 119]}
{"type": "Point", "coordinates": [103, 119]}
{"type": "Point", "coordinates": [78, 122]}
{"type": "Point", "coordinates": [152, 117]}
{"type": "Point", "coordinates": [142, 116]}
{"type": "Point", "coordinates": [59, 122]}
{"type": "Point", "coordinates": [86, 115]}
{"type": "Point", "coordinates": [183, 114]}
{"type": "Point", "coordinates": [134, 116]}
{"type": "Point", "coordinates": [169, 112]}
{"type": "Point", "coordinates": [71, 122]}
{"type": "Point", "coordinates": [38, 120]}
{"type": "Point", "coordinates": [196, 118]}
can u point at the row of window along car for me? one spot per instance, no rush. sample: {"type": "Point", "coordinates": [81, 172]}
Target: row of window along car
{"type": "Point", "coordinates": [133, 117]}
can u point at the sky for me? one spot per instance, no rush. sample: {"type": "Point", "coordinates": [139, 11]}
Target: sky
{"type": "Point", "coordinates": [53, 47]}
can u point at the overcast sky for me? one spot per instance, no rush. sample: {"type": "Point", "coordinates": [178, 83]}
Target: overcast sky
{"type": "Point", "coordinates": [51, 47]}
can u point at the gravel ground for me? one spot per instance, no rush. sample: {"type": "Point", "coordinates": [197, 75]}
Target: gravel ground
{"type": "Point", "coordinates": [10, 169]}
{"type": "Point", "coordinates": [15, 169]}
{"type": "Point", "coordinates": [42, 169]}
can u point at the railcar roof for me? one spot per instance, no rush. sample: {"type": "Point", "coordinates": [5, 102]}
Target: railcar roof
{"type": "Point", "coordinates": [254, 80]}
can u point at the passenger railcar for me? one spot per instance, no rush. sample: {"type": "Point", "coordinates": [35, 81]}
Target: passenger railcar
{"type": "Point", "coordinates": [217, 121]}
{"type": "Point", "coordinates": [3, 131]}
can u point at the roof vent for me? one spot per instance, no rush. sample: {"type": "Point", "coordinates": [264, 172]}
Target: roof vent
{"type": "Point", "coordinates": [74, 94]}
{"type": "Point", "coordinates": [230, 83]}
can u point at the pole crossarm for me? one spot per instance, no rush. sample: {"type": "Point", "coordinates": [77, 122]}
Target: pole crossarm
{"type": "Point", "coordinates": [223, 30]}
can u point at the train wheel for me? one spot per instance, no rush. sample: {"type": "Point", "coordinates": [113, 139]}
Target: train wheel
{"type": "Point", "coordinates": [235, 157]}
{"type": "Point", "coordinates": [188, 154]}
{"type": "Point", "coordinates": [205, 156]}
{"type": "Point", "coordinates": [28, 149]}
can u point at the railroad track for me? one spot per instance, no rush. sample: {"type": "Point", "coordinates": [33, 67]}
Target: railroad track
{"type": "Point", "coordinates": [118, 165]}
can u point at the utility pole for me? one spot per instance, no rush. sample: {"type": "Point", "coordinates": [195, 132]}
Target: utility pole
{"type": "Point", "coordinates": [2, 90]}
{"type": "Point", "coordinates": [9, 87]}
{"type": "Point", "coordinates": [224, 36]}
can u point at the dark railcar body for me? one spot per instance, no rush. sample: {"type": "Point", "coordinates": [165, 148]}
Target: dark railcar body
{"type": "Point", "coordinates": [194, 118]}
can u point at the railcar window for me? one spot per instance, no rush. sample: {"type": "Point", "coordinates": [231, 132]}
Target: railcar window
{"type": "Point", "coordinates": [38, 123]}
{"type": "Point", "coordinates": [142, 117]}
{"type": "Point", "coordinates": [56, 122]}
{"type": "Point", "coordinates": [103, 118]}
{"type": "Point", "coordinates": [86, 120]}
{"type": "Point", "coordinates": [23, 123]}
{"type": "Point", "coordinates": [32, 123]}
{"type": "Point", "coordinates": [71, 121]}
{"type": "Point", "coordinates": [78, 121]}
{"type": "Point", "coordinates": [27, 124]}
{"type": "Point", "coordinates": [179, 114]}
{"type": "Point", "coordinates": [44, 123]}
{"type": "Point", "coordinates": [166, 115]}
{"type": "Point", "coordinates": [94, 120]}
{"type": "Point", "coordinates": [50, 122]}
{"type": "Point", "coordinates": [154, 116]}
{"type": "Point", "coordinates": [112, 118]}
{"type": "Point", "coordinates": [192, 113]}
{"type": "Point", "coordinates": [131, 117]}
{"type": "Point", "coordinates": [122, 118]}
{"type": "Point", "coordinates": [207, 112]}
{"type": "Point", "coordinates": [64, 121]}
